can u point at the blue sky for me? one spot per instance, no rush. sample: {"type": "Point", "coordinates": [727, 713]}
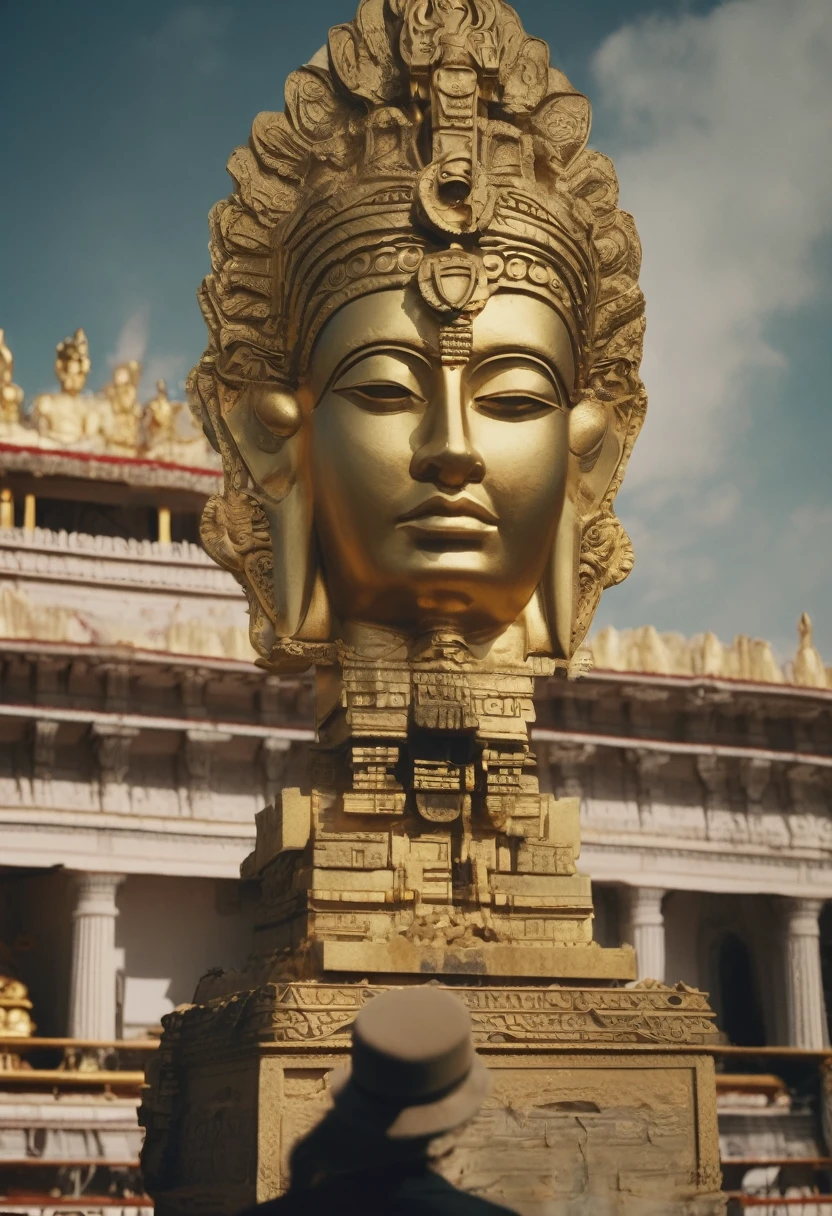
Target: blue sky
{"type": "Point", "coordinates": [118, 120]}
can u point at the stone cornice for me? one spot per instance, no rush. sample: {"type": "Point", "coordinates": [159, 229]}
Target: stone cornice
{"type": "Point", "coordinates": [211, 850]}
{"type": "Point", "coordinates": [41, 713]}
{"type": "Point", "coordinates": [678, 748]}
{"type": "Point", "coordinates": [705, 684]}
{"type": "Point", "coordinates": [654, 844]}
{"type": "Point", "coordinates": [129, 470]}
{"type": "Point", "coordinates": [678, 867]}
{"type": "Point", "coordinates": [132, 657]}
{"type": "Point", "coordinates": [160, 825]}
{"type": "Point", "coordinates": [180, 568]}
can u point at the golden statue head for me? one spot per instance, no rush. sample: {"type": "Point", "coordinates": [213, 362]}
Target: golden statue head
{"type": "Point", "coordinates": [425, 334]}
{"type": "Point", "coordinates": [72, 363]}
{"type": "Point", "coordinates": [123, 389]}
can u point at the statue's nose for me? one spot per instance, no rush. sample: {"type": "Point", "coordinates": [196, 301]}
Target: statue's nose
{"type": "Point", "coordinates": [446, 454]}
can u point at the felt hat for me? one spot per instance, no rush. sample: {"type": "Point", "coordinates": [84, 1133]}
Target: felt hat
{"type": "Point", "coordinates": [414, 1071]}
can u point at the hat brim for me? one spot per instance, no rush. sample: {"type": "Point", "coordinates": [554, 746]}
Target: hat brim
{"type": "Point", "coordinates": [415, 1122]}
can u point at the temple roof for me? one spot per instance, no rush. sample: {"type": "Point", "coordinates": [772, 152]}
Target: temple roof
{"type": "Point", "coordinates": [704, 655]}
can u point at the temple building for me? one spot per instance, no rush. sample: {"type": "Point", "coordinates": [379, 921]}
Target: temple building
{"type": "Point", "coordinates": [138, 739]}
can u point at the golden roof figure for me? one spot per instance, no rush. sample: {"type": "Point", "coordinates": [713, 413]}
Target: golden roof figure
{"type": "Point", "coordinates": [159, 416]}
{"type": "Point", "coordinates": [112, 420]}
{"type": "Point", "coordinates": [121, 428]}
{"type": "Point", "coordinates": [72, 363]}
{"type": "Point", "coordinates": [11, 395]}
{"type": "Point", "coordinates": [69, 418]}
{"type": "Point", "coordinates": [425, 334]}
{"type": "Point", "coordinates": [808, 665]}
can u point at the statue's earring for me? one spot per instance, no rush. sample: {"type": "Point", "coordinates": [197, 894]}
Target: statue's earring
{"type": "Point", "coordinates": [276, 409]}
{"type": "Point", "coordinates": [588, 423]}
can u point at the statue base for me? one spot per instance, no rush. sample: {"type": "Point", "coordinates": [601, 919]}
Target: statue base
{"type": "Point", "coordinates": [604, 1099]}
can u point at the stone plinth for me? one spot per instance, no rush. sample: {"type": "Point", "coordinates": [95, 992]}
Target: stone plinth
{"type": "Point", "coordinates": [603, 1101]}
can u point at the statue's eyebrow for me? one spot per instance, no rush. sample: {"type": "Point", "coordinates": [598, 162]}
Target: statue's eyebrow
{"type": "Point", "coordinates": [385, 348]}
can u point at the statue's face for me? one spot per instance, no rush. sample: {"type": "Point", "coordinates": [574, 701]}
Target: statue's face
{"type": "Point", "coordinates": [437, 490]}
{"type": "Point", "coordinates": [74, 376]}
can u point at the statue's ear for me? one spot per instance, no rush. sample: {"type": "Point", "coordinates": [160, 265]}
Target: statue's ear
{"type": "Point", "coordinates": [262, 419]}
{"type": "Point", "coordinates": [264, 422]}
{"type": "Point", "coordinates": [576, 574]}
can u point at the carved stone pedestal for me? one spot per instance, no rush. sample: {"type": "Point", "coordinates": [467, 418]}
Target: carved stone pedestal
{"type": "Point", "coordinates": [603, 1101]}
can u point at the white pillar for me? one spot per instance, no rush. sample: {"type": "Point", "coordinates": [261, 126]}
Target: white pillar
{"type": "Point", "coordinates": [644, 905]}
{"type": "Point", "coordinates": [805, 1010]}
{"type": "Point", "coordinates": [92, 998]}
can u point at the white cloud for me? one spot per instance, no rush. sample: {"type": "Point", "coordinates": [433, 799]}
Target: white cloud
{"type": "Point", "coordinates": [720, 126]}
{"type": "Point", "coordinates": [132, 343]}
{"type": "Point", "coordinates": [133, 338]}
{"type": "Point", "coordinates": [724, 125]}
{"type": "Point", "coordinates": [189, 38]}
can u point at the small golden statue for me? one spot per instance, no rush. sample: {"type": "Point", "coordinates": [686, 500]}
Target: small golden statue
{"type": "Point", "coordinates": [121, 429]}
{"type": "Point", "coordinates": [423, 378]}
{"type": "Point", "coordinates": [169, 432]}
{"type": "Point", "coordinates": [72, 363]}
{"type": "Point", "coordinates": [158, 420]}
{"type": "Point", "coordinates": [11, 394]}
{"type": "Point", "coordinates": [808, 665]}
{"type": "Point", "coordinates": [15, 1007]}
{"type": "Point", "coordinates": [69, 418]}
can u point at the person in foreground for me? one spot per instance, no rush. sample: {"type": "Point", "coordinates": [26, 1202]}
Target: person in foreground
{"type": "Point", "coordinates": [414, 1078]}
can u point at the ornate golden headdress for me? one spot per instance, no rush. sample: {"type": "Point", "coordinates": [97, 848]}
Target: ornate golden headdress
{"type": "Point", "coordinates": [430, 140]}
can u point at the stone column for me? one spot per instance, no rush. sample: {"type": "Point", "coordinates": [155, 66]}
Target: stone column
{"type": "Point", "coordinates": [92, 999]}
{"type": "Point", "coordinates": [646, 921]}
{"type": "Point", "coordinates": [805, 1010]}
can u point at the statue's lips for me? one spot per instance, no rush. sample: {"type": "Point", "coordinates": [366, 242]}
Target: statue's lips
{"type": "Point", "coordinates": [450, 516]}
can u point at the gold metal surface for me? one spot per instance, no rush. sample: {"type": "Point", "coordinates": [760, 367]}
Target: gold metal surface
{"type": "Point", "coordinates": [72, 363]}
{"type": "Point", "coordinates": [6, 508]}
{"type": "Point", "coordinates": [125, 412]}
{"type": "Point", "coordinates": [15, 1008]}
{"type": "Point", "coordinates": [11, 395]}
{"type": "Point", "coordinates": [164, 526]}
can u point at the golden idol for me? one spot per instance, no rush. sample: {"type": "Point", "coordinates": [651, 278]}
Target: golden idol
{"type": "Point", "coordinates": [423, 378]}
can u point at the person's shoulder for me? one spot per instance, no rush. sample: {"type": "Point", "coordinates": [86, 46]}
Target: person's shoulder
{"type": "Point", "coordinates": [285, 1205]}
{"type": "Point", "coordinates": [435, 1196]}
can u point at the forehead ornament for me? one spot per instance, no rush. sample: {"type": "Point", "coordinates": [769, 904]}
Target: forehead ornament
{"type": "Point", "coordinates": [455, 285]}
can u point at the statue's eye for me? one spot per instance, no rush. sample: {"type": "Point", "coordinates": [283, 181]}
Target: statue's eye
{"type": "Point", "coordinates": [512, 405]}
{"type": "Point", "coordinates": [383, 382]}
{"type": "Point", "coordinates": [511, 389]}
{"type": "Point", "coordinates": [382, 396]}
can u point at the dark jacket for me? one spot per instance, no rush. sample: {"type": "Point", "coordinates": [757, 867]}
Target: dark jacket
{"type": "Point", "coordinates": [397, 1191]}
